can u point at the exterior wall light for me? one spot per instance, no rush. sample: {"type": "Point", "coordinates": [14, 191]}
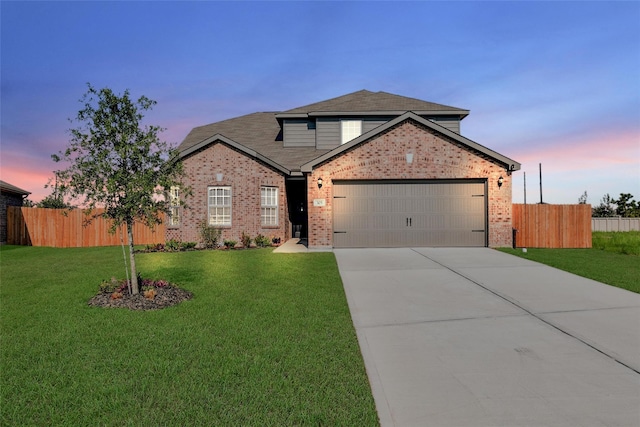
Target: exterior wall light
{"type": "Point", "coordinates": [500, 181]}
{"type": "Point", "coordinates": [319, 182]}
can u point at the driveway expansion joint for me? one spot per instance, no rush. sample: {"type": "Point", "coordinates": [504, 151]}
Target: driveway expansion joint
{"type": "Point", "coordinates": [425, 322]}
{"type": "Point", "coordinates": [531, 313]}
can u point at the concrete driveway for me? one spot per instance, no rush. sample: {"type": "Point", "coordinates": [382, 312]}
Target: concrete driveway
{"type": "Point", "coordinates": [475, 337]}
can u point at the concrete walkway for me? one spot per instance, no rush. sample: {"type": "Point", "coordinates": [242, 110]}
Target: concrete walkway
{"type": "Point", "coordinates": [292, 246]}
{"type": "Point", "coordinates": [475, 337]}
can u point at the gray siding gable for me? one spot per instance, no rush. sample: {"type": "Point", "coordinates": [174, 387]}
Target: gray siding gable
{"type": "Point", "coordinates": [299, 133]}
{"type": "Point", "coordinates": [324, 133]}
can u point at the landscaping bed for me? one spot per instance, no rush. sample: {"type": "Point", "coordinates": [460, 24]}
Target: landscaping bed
{"type": "Point", "coordinates": [150, 299]}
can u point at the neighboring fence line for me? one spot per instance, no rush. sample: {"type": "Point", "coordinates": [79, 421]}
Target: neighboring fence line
{"type": "Point", "coordinates": [66, 229]}
{"type": "Point", "coordinates": [538, 226]}
{"type": "Point", "coordinates": [552, 226]}
{"type": "Point", "coordinates": [615, 224]}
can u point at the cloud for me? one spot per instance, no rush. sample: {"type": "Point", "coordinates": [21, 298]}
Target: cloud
{"type": "Point", "coordinates": [29, 177]}
{"type": "Point", "coordinates": [598, 163]}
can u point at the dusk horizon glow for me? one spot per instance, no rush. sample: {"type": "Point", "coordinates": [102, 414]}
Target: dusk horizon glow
{"type": "Point", "coordinates": [551, 83]}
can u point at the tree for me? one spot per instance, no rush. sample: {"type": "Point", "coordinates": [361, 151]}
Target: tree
{"type": "Point", "coordinates": [605, 208]}
{"type": "Point", "coordinates": [119, 164]}
{"type": "Point", "coordinates": [626, 206]}
{"type": "Point", "coordinates": [53, 202]}
{"type": "Point", "coordinates": [583, 199]}
{"type": "Point", "coordinates": [56, 199]}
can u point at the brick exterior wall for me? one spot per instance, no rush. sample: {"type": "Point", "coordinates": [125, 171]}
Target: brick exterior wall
{"type": "Point", "coordinates": [434, 157]}
{"type": "Point", "coordinates": [245, 176]}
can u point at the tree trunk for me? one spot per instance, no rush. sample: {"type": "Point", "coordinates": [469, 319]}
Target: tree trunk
{"type": "Point", "coordinates": [132, 261]}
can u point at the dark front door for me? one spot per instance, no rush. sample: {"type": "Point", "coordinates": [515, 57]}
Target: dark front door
{"type": "Point", "coordinates": [297, 204]}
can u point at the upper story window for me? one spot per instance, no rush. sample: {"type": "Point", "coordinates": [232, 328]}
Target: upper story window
{"type": "Point", "coordinates": [219, 205]}
{"type": "Point", "coordinates": [269, 206]}
{"type": "Point", "coordinates": [350, 129]}
{"type": "Point", "coordinates": [174, 206]}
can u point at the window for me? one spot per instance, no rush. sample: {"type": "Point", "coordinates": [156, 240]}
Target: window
{"type": "Point", "coordinates": [174, 206]}
{"type": "Point", "coordinates": [219, 205]}
{"type": "Point", "coordinates": [269, 206]}
{"type": "Point", "coordinates": [351, 129]}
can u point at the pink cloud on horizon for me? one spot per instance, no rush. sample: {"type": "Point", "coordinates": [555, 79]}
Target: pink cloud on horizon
{"type": "Point", "coordinates": [598, 163]}
{"type": "Point", "coordinates": [29, 179]}
{"type": "Point", "coordinates": [584, 152]}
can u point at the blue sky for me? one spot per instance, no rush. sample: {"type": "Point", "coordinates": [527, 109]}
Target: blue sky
{"type": "Point", "coordinates": [556, 83]}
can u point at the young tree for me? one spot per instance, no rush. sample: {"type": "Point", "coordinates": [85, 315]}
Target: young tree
{"type": "Point", "coordinates": [119, 164]}
{"type": "Point", "coordinates": [583, 199]}
{"type": "Point", "coordinates": [55, 200]}
{"type": "Point", "coordinates": [605, 208]}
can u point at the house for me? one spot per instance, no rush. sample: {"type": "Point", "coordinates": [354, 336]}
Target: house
{"type": "Point", "coordinates": [10, 195]}
{"type": "Point", "coordinates": [367, 169]}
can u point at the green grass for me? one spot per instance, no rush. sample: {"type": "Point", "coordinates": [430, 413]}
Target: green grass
{"type": "Point", "coordinates": [266, 340]}
{"type": "Point", "coordinates": [614, 259]}
{"type": "Point", "coordinates": [627, 242]}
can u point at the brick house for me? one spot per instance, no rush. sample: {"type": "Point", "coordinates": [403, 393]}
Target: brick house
{"type": "Point", "coordinates": [367, 169]}
{"type": "Point", "coordinates": [10, 195]}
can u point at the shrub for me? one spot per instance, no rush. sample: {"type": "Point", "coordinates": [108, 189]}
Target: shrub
{"type": "Point", "coordinates": [245, 239]}
{"type": "Point", "coordinates": [172, 245]}
{"type": "Point", "coordinates": [158, 247]}
{"type": "Point", "coordinates": [275, 240]}
{"type": "Point", "coordinates": [262, 241]}
{"type": "Point", "coordinates": [209, 234]}
{"type": "Point", "coordinates": [112, 285]}
{"type": "Point", "coordinates": [230, 244]}
{"type": "Point", "coordinates": [120, 287]}
{"type": "Point", "coordinates": [186, 246]}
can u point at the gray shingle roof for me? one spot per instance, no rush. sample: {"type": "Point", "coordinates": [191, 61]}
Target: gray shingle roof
{"type": "Point", "coordinates": [261, 132]}
{"type": "Point", "coordinates": [366, 101]}
{"type": "Point", "coordinates": [5, 187]}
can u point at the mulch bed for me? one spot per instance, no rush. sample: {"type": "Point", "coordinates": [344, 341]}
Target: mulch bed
{"type": "Point", "coordinates": [165, 297]}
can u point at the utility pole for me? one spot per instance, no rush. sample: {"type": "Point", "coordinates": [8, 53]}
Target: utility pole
{"type": "Point", "coordinates": [540, 166]}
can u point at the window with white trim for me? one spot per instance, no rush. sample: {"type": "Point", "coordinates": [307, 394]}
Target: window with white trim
{"type": "Point", "coordinates": [174, 206]}
{"type": "Point", "coordinates": [269, 206]}
{"type": "Point", "coordinates": [350, 129]}
{"type": "Point", "coordinates": [219, 205]}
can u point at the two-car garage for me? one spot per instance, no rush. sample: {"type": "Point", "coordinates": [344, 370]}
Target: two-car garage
{"type": "Point", "coordinates": [409, 213]}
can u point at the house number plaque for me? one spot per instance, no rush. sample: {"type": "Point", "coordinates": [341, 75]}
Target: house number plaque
{"type": "Point", "coordinates": [319, 202]}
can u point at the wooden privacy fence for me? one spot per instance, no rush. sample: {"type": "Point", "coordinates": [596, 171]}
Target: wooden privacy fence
{"type": "Point", "coordinates": [552, 226]}
{"type": "Point", "coordinates": [67, 229]}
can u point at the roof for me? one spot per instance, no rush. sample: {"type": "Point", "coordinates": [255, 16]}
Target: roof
{"type": "Point", "coordinates": [5, 187]}
{"type": "Point", "coordinates": [376, 103]}
{"type": "Point", "coordinates": [259, 135]}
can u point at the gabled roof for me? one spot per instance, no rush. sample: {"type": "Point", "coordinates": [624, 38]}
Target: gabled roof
{"type": "Point", "coordinates": [257, 135]}
{"type": "Point", "coordinates": [509, 164]}
{"type": "Point", "coordinates": [365, 102]}
{"type": "Point", "coordinates": [5, 187]}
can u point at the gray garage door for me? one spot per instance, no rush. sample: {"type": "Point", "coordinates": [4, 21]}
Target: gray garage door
{"type": "Point", "coordinates": [402, 214]}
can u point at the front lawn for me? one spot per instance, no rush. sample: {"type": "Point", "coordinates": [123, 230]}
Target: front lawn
{"type": "Point", "coordinates": [266, 340]}
{"type": "Point", "coordinates": [611, 260]}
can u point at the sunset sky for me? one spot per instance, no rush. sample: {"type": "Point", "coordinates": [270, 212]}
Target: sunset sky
{"type": "Point", "coordinates": [556, 83]}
